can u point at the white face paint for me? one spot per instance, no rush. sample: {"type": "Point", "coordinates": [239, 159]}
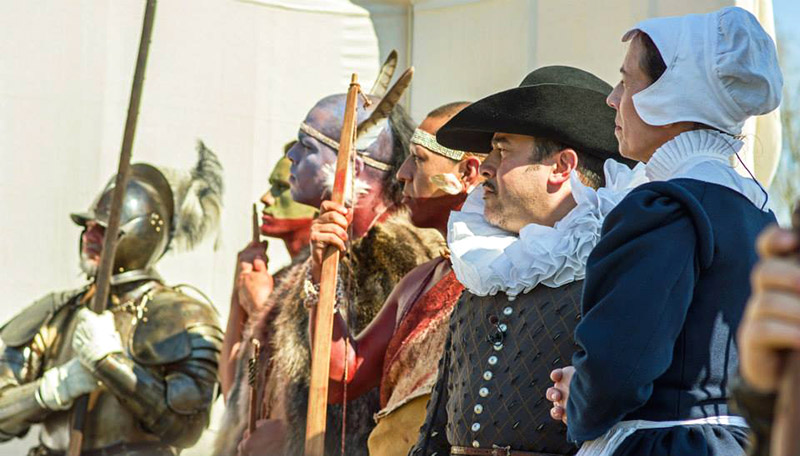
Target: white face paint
{"type": "Point", "coordinates": [448, 183]}
{"type": "Point", "coordinates": [361, 187]}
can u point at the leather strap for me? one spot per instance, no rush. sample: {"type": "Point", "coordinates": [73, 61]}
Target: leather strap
{"type": "Point", "coordinates": [496, 451]}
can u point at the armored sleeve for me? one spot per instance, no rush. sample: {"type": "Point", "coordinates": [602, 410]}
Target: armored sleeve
{"type": "Point", "coordinates": [171, 401]}
{"type": "Point", "coordinates": [19, 408]}
{"type": "Point", "coordinates": [168, 378]}
{"type": "Point", "coordinates": [22, 349]}
{"type": "Point", "coordinates": [433, 436]}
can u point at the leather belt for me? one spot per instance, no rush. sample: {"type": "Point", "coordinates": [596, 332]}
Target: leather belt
{"type": "Point", "coordinates": [495, 451]}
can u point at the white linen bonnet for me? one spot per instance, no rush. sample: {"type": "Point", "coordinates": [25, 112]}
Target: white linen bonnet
{"type": "Point", "coordinates": [722, 68]}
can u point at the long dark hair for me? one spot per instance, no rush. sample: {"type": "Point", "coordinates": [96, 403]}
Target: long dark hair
{"type": "Point", "coordinates": [402, 128]}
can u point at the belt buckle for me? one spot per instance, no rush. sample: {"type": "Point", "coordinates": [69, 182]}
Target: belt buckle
{"type": "Point", "coordinates": [506, 450]}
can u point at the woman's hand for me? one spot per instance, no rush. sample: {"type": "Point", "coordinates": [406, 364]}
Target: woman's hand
{"type": "Point", "coordinates": [330, 228]}
{"type": "Point", "coordinates": [771, 323]}
{"type": "Point", "coordinates": [558, 394]}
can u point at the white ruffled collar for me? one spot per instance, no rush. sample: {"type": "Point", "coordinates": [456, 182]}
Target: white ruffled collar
{"type": "Point", "coordinates": [488, 260]}
{"type": "Point", "coordinates": [704, 155]}
{"type": "Point", "coordinates": [688, 148]}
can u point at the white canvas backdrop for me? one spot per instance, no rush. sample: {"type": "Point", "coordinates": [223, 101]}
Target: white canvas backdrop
{"type": "Point", "coordinates": [238, 74]}
{"type": "Point", "coordinates": [241, 74]}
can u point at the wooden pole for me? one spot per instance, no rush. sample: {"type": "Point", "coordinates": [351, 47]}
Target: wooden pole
{"type": "Point", "coordinates": [255, 403]}
{"type": "Point", "coordinates": [323, 328]}
{"type": "Point", "coordinates": [785, 441]}
{"type": "Point", "coordinates": [105, 270]}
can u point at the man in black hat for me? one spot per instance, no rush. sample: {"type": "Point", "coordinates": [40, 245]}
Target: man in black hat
{"type": "Point", "coordinates": [519, 246]}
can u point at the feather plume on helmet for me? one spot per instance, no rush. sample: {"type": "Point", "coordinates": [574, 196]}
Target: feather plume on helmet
{"type": "Point", "coordinates": [198, 199]}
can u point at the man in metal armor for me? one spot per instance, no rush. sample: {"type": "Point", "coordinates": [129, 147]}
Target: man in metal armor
{"type": "Point", "coordinates": [150, 360]}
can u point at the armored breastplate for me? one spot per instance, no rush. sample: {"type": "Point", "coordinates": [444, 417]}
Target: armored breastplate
{"type": "Point", "coordinates": [109, 422]}
{"type": "Point", "coordinates": [501, 357]}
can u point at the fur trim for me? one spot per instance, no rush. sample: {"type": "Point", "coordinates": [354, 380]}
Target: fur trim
{"type": "Point", "coordinates": [198, 199]}
{"type": "Point", "coordinates": [377, 262]}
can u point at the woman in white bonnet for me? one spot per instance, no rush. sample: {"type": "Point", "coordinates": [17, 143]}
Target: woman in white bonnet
{"type": "Point", "coordinates": [667, 284]}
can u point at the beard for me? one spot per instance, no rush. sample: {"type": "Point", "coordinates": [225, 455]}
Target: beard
{"type": "Point", "coordinates": [88, 265]}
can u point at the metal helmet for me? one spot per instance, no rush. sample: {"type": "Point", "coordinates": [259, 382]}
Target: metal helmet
{"type": "Point", "coordinates": [161, 207]}
{"type": "Point", "coordinates": [145, 221]}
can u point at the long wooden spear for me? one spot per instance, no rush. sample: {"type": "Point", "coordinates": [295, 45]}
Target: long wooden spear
{"type": "Point", "coordinates": [323, 328]}
{"type": "Point", "coordinates": [785, 441]}
{"type": "Point", "coordinates": [104, 272]}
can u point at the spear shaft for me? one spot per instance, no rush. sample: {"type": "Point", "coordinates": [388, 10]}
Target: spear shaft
{"type": "Point", "coordinates": [104, 272]}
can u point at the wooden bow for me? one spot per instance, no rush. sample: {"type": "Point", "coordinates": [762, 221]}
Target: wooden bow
{"type": "Point", "coordinates": [323, 328]}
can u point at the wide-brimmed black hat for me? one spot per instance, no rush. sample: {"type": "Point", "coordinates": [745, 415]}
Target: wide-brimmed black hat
{"type": "Point", "coordinates": [561, 103]}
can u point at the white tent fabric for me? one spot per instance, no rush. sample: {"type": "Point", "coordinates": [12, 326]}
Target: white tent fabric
{"type": "Point", "coordinates": [763, 142]}
{"type": "Point", "coordinates": [241, 74]}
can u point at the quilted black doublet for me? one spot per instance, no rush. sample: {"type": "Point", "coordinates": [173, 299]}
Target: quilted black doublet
{"type": "Point", "coordinates": [501, 356]}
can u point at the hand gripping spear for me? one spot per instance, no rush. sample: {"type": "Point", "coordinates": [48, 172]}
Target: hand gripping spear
{"type": "Point", "coordinates": [785, 441]}
{"type": "Point", "coordinates": [103, 278]}
{"type": "Point", "coordinates": [321, 348]}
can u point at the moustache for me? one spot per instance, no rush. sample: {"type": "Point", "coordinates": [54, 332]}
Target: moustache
{"type": "Point", "coordinates": [490, 186]}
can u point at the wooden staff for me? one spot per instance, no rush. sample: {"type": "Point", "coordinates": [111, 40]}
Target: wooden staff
{"type": "Point", "coordinates": [323, 328]}
{"type": "Point", "coordinates": [255, 387]}
{"type": "Point", "coordinates": [105, 270]}
{"type": "Point", "coordinates": [785, 440]}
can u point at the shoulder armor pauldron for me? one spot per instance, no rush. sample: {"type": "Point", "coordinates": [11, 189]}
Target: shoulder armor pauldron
{"type": "Point", "coordinates": [23, 327]}
{"type": "Point", "coordinates": [169, 327]}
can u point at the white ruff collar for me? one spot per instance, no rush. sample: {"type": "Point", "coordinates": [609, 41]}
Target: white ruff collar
{"type": "Point", "coordinates": [488, 260]}
{"type": "Point", "coordinates": [704, 155]}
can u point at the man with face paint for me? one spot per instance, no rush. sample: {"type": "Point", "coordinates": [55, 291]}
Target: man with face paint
{"type": "Point", "coordinates": [383, 249]}
{"type": "Point", "coordinates": [519, 246]}
{"type": "Point", "coordinates": [281, 218]}
{"type": "Point", "coordinates": [400, 348]}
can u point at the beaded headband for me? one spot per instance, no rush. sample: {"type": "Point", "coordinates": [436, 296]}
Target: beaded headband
{"type": "Point", "coordinates": [428, 141]}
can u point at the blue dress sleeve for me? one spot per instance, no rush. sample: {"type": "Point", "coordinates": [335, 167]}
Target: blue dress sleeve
{"type": "Point", "coordinates": [639, 285]}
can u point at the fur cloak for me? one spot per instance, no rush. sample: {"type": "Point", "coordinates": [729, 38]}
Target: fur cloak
{"type": "Point", "coordinates": [369, 272]}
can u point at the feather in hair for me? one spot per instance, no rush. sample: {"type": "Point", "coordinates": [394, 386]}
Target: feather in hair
{"type": "Point", "coordinates": [385, 75]}
{"type": "Point", "coordinates": [385, 106]}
